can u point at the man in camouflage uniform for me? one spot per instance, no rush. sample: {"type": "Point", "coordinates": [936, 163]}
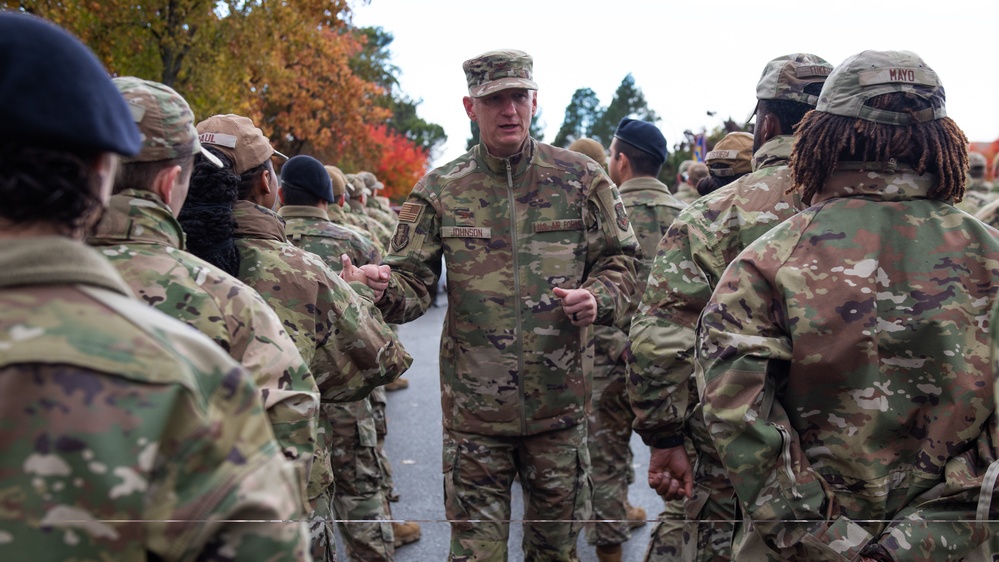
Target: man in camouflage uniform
{"type": "Point", "coordinates": [538, 246]}
{"type": "Point", "coordinates": [348, 347]}
{"type": "Point", "coordinates": [686, 188]}
{"type": "Point", "coordinates": [377, 207]}
{"type": "Point", "coordinates": [845, 374]}
{"type": "Point", "coordinates": [141, 236]}
{"type": "Point", "coordinates": [306, 192]}
{"type": "Point", "coordinates": [691, 257]}
{"type": "Point", "coordinates": [127, 435]}
{"type": "Point", "coordinates": [638, 152]}
{"type": "Point", "coordinates": [978, 192]}
{"type": "Point", "coordinates": [357, 213]}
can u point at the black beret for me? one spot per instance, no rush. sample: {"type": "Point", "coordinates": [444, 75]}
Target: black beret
{"type": "Point", "coordinates": [644, 136]}
{"type": "Point", "coordinates": [54, 93]}
{"type": "Point", "coordinates": [305, 173]}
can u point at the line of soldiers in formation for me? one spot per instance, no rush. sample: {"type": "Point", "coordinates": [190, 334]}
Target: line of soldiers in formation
{"type": "Point", "coordinates": [810, 361]}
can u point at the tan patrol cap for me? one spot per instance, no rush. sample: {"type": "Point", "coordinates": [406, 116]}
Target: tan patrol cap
{"type": "Point", "coordinates": [238, 138]}
{"type": "Point", "coordinates": [493, 71]}
{"type": "Point", "coordinates": [735, 151]}
{"type": "Point", "coordinates": [339, 182]}
{"type": "Point", "coordinates": [591, 148]}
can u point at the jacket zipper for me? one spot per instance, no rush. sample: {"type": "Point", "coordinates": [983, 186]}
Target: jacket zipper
{"type": "Point", "coordinates": [785, 455]}
{"type": "Point", "coordinates": [515, 248]}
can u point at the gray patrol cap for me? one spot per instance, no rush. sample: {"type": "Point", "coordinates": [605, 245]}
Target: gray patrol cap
{"type": "Point", "coordinates": [786, 77]}
{"type": "Point", "coordinates": [873, 73]}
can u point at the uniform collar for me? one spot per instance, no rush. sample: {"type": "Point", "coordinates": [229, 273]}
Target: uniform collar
{"type": "Point", "coordinates": [774, 152]}
{"type": "Point", "coordinates": [519, 163]}
{"type": "Point", "coordinates": [642, 183]}
{"type": "Point", "coordinates": [56, 260]}
{"type": "Point", "coordinates": [254, 221]}
{"type": "Point", "coordinates": [303, 212]}
{"type": "Point", "coordinates": [138, 216]}
{"type": "Point", "coordinates": [888, 183]}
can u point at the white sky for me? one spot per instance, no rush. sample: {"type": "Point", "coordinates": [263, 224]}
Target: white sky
{"type": "Point", "coordinates": [687, 57]}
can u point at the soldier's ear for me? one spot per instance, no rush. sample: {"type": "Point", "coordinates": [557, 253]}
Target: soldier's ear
{"type": "Point", "coordinates": [469, 107]}
{"type": "Point", "coordinates": [166, 183]}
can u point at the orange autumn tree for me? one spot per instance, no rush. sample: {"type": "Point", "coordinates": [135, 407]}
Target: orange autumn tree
{"type": "Point", "coordinates": [282, 63]}
{"type": "Point", "coordinates": [400, 163]}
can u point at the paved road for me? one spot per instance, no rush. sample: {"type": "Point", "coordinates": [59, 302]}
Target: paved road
{"type": "Point", "coordinates": [414, 448]}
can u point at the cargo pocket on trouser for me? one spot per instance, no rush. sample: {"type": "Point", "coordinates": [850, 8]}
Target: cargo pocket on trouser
{"type": "Point", "coordinates": [454, 508]}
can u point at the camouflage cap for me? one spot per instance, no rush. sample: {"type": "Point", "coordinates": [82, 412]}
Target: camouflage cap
{"type": "Point", "coordinates": [355, 186]}
{"type": "Point", "coordinates": [873, 73]}
{"type": "Point", "coordinates": [977, 160]}
{"type": "Point", "coordinates": [338, 180]}
{"type": "Point", "coordinates": [734, 152]}
{"type": "Point", "coordinates": [165, 121]}
{"type": "Point", "coordinates": [371, 181]}
{"type": "Point", "coordinates": [237, 137]}
{"type": "Point", "coordinates": [493, 71]}
{"type": "Point", "coordinates": [785, 78]}
{"type": "Point", "coordinates": [591, 148]}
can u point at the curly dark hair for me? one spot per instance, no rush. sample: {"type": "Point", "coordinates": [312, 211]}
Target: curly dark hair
{"type": "Point", "coordinates": [207, 216]}
{"type": "Point", "coordinates": [936, 147]}
{"type": "Point", "coordinates": [47, 186]}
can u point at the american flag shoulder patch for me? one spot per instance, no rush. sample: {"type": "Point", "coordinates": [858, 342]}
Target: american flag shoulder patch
{"type": "Point", "coordinates": [411, 212]}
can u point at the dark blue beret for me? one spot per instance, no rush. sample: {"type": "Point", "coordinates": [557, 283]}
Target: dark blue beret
{"type": "Point", "coordinates": [305, 173]}
{"type": "Point", "coordinates": [54, 93]}
{"type": "Point", "coordinates": [644, 136]}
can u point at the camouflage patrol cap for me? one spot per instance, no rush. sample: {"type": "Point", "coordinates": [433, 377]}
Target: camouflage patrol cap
{"type": "Point", "coordinates": [977, 160]}
{"type": "Point", "coordinates": [493, 71]}
{"type": "Point", "coordinates": [356, 187]}
{"type": "Point", "coordinates": [873, 73]}
{"type": "Point", "coordinates": [591, 148]}
{"type": "Point", "coordinates": [735, 152]}
{"type": "Point", "coordinates": [370, 181]}
{"type": "Point", "coordinates": [237, 137]}
{"type": "Point", "coordinates": [338, 180]}
{"type": "Point", "coordinates": [165, 121]}
{"type": "Point", "coordinates": [786, 77]}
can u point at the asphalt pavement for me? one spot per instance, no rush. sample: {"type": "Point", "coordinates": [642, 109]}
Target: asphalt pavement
{"type": "Point", "coordinates": [414, 449]}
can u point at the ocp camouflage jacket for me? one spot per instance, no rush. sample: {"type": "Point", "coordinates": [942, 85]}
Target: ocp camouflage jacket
{"type": "Point", "coordinates": [510, 230]}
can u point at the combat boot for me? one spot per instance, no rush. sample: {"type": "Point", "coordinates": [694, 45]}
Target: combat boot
{"type": "Point", "coordinates": [609, 553]}
{"type": "Point", "coordinates": [405, 533]}
{"type": "Point", "coordinates": [398, 384]}
{"type": "Point", "coordinates": [635, 516]}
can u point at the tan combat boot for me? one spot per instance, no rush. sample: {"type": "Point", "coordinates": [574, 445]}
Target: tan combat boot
{"type": "Point", "coordinates": [635, 516]}
{"type": "Point", "coordinates": [398, 384]}
{"type": "Point", "coordinates": [405, 533]}
{"type": "Point", "coordinates": [609, 553]}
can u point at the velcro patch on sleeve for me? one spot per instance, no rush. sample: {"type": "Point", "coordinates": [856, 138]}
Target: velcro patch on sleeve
{"type": "Point", "coordinates": [411, 212]}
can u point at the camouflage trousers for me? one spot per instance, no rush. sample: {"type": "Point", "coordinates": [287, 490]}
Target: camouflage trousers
{"type": "Point", "coordinates": [609, 442]}
{"type": "Point", "coordinates": [666, 537]}
{"type": "Point", "coordinates": [359, 503]}
{"type": "Point", "coordinates": [322, 536]}
{"type": "Point", "coordinates": [320, 493]}
{"type": "Point", "coordinates": [478, 475]}
{"type": "Point", "coordinates": [704, 525]}
{"type": "Point", "coordinates": [379, 402]}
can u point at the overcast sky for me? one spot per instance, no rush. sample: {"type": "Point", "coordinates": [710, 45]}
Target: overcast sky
{"type": "Point", "coordinates": [688, 58]}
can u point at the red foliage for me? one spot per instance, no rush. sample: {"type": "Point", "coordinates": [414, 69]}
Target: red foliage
{"type": "Point", "coordinates": [400, 163]}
